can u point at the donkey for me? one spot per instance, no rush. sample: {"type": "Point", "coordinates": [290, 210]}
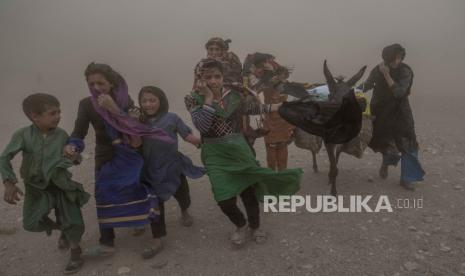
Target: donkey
{"type": "Point", "coordinates": [336, 121]}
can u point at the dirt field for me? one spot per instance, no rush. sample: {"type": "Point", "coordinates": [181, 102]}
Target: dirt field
{"type": "Point", "coordinates": [46, 45]}
{"type": "Point", "coordinates": [408, 241]}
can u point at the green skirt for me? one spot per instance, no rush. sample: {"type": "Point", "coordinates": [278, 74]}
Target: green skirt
{"type": "Point", "coordinates": [232, 168]}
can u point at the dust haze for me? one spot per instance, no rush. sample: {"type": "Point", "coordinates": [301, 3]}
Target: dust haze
{"type": "Point", "coordinates": [46, 45]}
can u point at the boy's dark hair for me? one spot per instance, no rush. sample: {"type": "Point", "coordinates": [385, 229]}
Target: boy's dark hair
{"type": "Point", "coordinates": [260, 58]}
{"type": "Point", "coordinates": [157, 92]}
{"type": "Point", "coordinates": [105, 70]}
{"type": "Point", "coordinates": [210, 63]}
{"type": "Point", "coordinates": [390, 52]}
{"type": "Point", "coordinates": [39, 103]}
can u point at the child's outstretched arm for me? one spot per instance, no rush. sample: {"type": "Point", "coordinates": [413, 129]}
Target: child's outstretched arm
{"type": "Point", "coordinates": [194, 140]}
{"type": "Point", "coordinates": [12, 192]}
{"type": "Point", "coordinates": [186, 132]}
{"type": "Point", "coordinates": [81, 128]}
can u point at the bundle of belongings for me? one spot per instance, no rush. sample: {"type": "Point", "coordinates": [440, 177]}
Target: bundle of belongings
{"type": "Point", "coordinates": [355, 146]}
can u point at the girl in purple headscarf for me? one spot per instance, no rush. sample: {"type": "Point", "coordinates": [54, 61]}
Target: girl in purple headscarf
{"type": "Point", "coordinates": [122, 201]}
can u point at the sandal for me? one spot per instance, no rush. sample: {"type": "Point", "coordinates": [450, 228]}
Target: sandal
{"type": "Point", "coordinates": [259, 236]}
{"type": "Point", "coordinates": [100, 251]}
{"type": "Point", "coordinates": [239, 237]}
{"type": "Point", "coordinates": [73, 266]}
{"type": "Point", "coordinates": [75, 263]}
{"type": "Point", "coordinates": [408, 185]}
{"type": "Point", "coordinates": [150, 252]}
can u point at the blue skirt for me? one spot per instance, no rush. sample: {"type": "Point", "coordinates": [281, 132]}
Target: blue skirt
{"type": "Point", "coordinates": [164, 165]}
{"type": "Point", "coordinates": [122, 200]}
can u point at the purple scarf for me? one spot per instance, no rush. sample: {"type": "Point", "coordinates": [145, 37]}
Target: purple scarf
{"type": "Point", "coordinates": [122, 122]}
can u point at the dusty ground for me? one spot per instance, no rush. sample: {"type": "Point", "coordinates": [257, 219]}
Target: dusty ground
{"type": "Point", "coordinates": [422, 241]}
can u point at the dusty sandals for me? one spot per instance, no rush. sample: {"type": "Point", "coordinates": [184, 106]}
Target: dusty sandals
{"type": "Point", "coordinates": [149, 253]}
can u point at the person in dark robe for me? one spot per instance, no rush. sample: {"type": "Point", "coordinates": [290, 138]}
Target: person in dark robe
{"type": "Point", "coordinates": [393, 125]}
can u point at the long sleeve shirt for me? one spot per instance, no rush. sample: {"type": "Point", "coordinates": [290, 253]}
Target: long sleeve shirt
{"type": "Point", "coordinates": [41, 154]}
{"type": "Point", "coordinates": [212, 125]}
{"type": "Point", "coordinates": [88, 115]}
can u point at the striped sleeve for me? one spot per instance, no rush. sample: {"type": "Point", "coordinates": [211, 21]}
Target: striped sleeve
{"type": "Point", "coordinates": [202, 118]}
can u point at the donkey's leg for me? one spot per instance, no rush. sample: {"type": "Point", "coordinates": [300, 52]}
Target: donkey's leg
{"type": "Point", "coordinates": [315, 164]}
{"type": "Point", "coordinates": [333, 171]}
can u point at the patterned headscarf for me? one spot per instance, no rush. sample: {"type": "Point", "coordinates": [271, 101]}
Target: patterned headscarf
{"type": "Point", "coordinates": [218, 41]}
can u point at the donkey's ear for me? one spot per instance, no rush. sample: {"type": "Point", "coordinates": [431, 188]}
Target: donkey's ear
{"type": "Point", "coordinates": [357, 77]}
{"type": "Point", "coordinates": [329, 77]}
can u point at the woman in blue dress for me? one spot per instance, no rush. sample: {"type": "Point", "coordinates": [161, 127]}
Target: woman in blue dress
{"type": "Point", "coordinates": [121, 199]}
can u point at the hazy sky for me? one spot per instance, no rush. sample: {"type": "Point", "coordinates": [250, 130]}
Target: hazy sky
{"type": "Point", "coordinates": [46, 44]}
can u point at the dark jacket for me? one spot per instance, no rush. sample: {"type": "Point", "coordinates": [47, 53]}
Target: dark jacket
{"type": "Point", "coordinates": [103, 143]}
{"type": "Point", "coordinates": [393, 118]}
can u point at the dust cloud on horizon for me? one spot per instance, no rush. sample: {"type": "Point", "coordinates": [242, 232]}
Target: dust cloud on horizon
{"type": "Point", "coordinates": [47, 44]}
